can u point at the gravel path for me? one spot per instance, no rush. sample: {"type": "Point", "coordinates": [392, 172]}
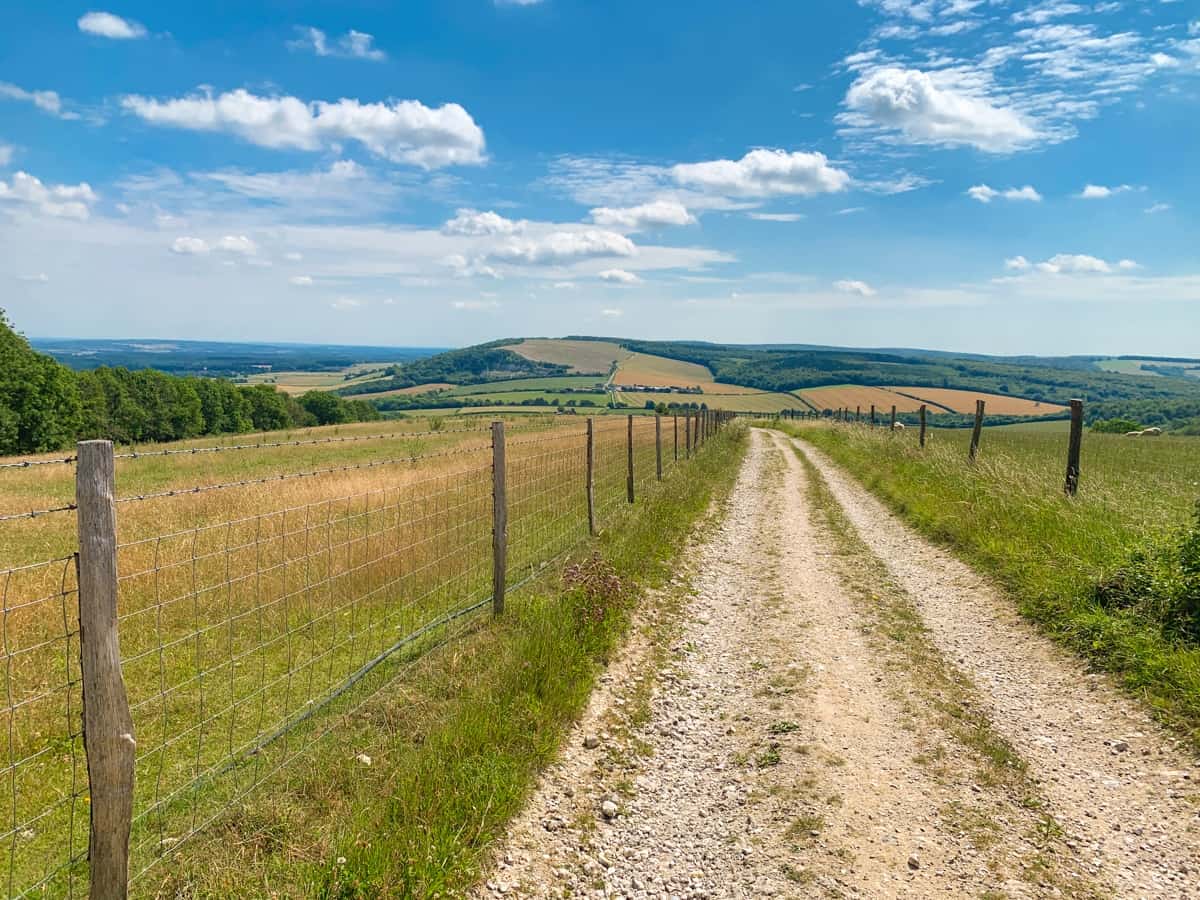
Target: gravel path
{"type": "Point", "coordinates": [768, 740]}
{"type": "Point", "coordinates": [1126, 792]}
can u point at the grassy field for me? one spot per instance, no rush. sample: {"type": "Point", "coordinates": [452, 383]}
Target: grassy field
{"type": "Point", "coordinates": [242, 608]}
{"type": "Point", "coordinates": [1137, 367]}
{"type": "Point", "coordinates": [408, 391]}
{"type": "Point", "coordinates": [299, 382]}
{"type": "Point", "coordinates": [584, 357]}
{"type": "Point", "coordinates": [964, 402]}
{"type": "Point", "coordinates": [504, 398]}
{"type": "Point", "coordinates": [658, 371]}
{"type": "Point", "coordinates": [1061, 560]}
{"type": "Point", "coordinates": [239, 608]}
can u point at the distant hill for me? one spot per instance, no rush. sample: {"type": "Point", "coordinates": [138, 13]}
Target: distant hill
{"type": "Point", "coordinates": [218, 358]}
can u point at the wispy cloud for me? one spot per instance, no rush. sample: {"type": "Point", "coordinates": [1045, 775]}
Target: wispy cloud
{"type": "Point", "coordinates": [986, 194]}
{"type": "Point", "coordinates": [351, 45]}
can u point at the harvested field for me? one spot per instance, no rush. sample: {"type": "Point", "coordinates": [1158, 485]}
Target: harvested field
{"type": "Point", "coordinates": [584, 357]}
{"type": "Point", "coordinates": [850, 396]}
{"type": "Point", "coordinates": [964, 401]}
{"type": "Point", "coordinates": [658, 371]}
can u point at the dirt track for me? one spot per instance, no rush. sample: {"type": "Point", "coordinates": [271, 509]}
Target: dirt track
{"type": "Point", "coordinates": [840, 709]}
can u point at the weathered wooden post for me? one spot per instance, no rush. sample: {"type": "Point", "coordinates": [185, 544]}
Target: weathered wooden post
{"type": "Point", "coordinates": [687, 429]}
{"type": "Point", "coordinates": [675, 429]}
{"type": "Point", "coordinates": [107, 724]}
{"type": "Point", "coordinates": [629, 460]}
{"type": "Point", "coordinates": [658, 446]}
{"type": "Point", "coordinates": [1071, 485]}
{"type": "Point", "coordinates": [977, 430]}
{"type": "Point", "coordinates": [499, 519]}
{"type": "Point", "coordinates": [893, 418]}
{"type": "Point", "coordinates": [872, 413]}
{"type": "Point", "coordinates": [922, 412]}
{"type": "Point", "coordinates": [591, 474]}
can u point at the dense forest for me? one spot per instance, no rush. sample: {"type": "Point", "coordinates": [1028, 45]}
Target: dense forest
{"type": "Point", "coordinates": [46, 406]}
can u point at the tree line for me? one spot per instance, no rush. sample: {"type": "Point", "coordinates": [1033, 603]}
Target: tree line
{"type": "Point", "coordinates": [46, 406]}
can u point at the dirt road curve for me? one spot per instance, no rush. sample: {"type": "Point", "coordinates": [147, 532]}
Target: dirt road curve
{"type": "Point", "coordinates": [839, 709]}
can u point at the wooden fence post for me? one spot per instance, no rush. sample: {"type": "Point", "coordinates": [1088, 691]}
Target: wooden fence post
{"type": "Point", "coordinates": [872, 413]}
{"type": "Point", "coordinates": [893, 418]}
{"type": "Point", "coordinates": [675, 429]}
{"type": "Point", "coordinates": [922, 411]}
{"type": "Point", "coordinates": [658, 446]}
{"type": "Point", "coordinates": [629, 460]}
{"type": "Point", "coordinates": [687, 433]}
{"type": "Point", "coordinates": [499, 519]}
{"type": "Point", "coordinates": [107, 724]}
{"type": "Point", "coordinates": [1073, 449]}
{"type": "Point", "coordinates": [977, 430]}
{"type": "Point", "coordinates": [591, 475]}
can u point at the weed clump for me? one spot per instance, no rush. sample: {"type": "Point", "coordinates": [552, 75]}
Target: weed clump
{"type": "Point", "coordinates": [595, 591]}
{"type": "Point", "coordinates": [1160, 584]}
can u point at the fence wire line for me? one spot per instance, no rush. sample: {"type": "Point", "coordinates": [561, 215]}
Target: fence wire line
{"type": "Point", "coordinates": [236, 634]}
{"type": "Point", "coordinates": [36, 513]}
{"type": "Point", "coordinates": [29, 463]}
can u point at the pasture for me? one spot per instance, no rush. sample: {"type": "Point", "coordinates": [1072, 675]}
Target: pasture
{"type": "Point", "coordinates": [659, 371]}
{"type": "Point", "coordinates": [246, 598]}
{"type": "Point", "coordinates": [1007, 514]}
{"type": "Point", "coordinates": [583, 357]}
{"type": "Point", "coordinates": [761, 402]}
{"type": "Point", "coordinates": [300, 382]}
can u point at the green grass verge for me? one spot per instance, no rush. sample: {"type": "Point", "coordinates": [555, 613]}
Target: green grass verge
{"type": "Point", "coordinates": [1007, 516]}
{"type": "Point", "coordinates": [456, 743]}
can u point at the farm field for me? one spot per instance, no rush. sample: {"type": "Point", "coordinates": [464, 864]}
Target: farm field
{"type": "Point", "coordinates": [584, 357]}
{"type": "Point", "coordinates": [408, 391]}
{"type": "Point", "coordinates": [659, 371]}
{"type": "Point", "coordinates": [1141, 367]}
{"type": "Point", "coordinates": [963, 402]}
{"type": "Point", "coordinates": [1007, 515]}
{"type": "Point", "coordinates": [849, 396]}
{"type": "Point", "coordinates": [242, 603]}
{"type": "Point", "coordinates": [300, 382]}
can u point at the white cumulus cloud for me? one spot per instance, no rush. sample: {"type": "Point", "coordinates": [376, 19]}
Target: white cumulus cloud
{"type": "Point", "coordinates": [986, 194]}
{"type": "Point", "coordinates": [612, 313]}
{"type": "Point", "coordinates": [109, 25]}
{"type": "Point", "coordinates": [1017, 264]}
{"type": "Point", "coordinates": [472, 223]}
{"type": "Point", "coordinates": [352, 45]}
{"type": "Point", "coordinates": [932, 108]}
{"type": "Point", "coordinates": [764, 173]}
{"type": "Point", "coordinates": [237, 243]}
{"type": "Point", "coordinates": [1101, 192]}
{"type": "Point", "coordinates": [64, 201]}
{"type": "Point", "coordinates": [406, 131]}
{"type": "Point", "coordinates": [655, 214]}
{"type": "Point", "coordinates": [301, 280]}
{"type": "Point", "coordinates": [189, 246]}
{"type": "Point", "coordinates": [855, 287]}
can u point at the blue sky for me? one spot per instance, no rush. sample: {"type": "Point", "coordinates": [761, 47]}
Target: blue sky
{"type": "Point", "coordinates": [981, 175]}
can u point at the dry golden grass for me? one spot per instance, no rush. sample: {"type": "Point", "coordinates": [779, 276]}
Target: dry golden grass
{"type": "Point", "coordinates": [849, 396]}
{"type": "Point", "coordinates": [584, 357]}
{"type": "Point", "coordinates": [964, 402]}
{"type": "Point", "coordinates": [659, 371]}
{"type": "Point", "coordinates": [240, 608]}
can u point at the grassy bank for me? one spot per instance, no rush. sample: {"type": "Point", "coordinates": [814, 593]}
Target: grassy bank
{"type": "Point", "coordinates": [428, 764]}
{"type": "Point", "coordinates": [1068, 564]}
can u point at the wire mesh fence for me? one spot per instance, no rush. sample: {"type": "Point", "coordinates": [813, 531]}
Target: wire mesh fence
{"type": "Point", "coordinates": [239, 637]}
